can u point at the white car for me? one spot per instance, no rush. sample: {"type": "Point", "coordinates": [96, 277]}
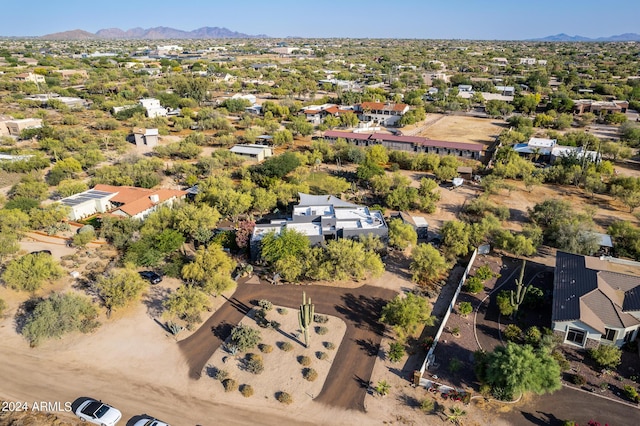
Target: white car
{"type": "Point", "coordinates": [98, 413]}
{"type": "Point", "coordinates": [150, 421]}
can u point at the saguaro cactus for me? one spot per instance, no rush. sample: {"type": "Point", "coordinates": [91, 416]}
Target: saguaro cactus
{"type": "Point", "coordinates": [305, 317]}
{"type": "Point", "coordinates": [517, 297]}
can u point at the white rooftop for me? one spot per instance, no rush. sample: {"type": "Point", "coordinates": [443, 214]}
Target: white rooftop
{"type": "Point", "coordinates": [542, 142]}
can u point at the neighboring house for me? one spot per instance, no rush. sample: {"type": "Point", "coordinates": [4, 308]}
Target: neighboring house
{"type": "Point", "coordinates": [506, 90]}
{"type": "Point", "coordinates": [501, 61]}
{"type": "Point", "coordinates": [581, 106]}
{"type": "Point", "coordinates": [145, 137]}
{"type": "Point", "coordinates": [125, 201]}
{"type": "Point", "coordinates": [29, 76]}
{"type": "Point", "coordinates": [324, 217]}
{"type": "Point", "coordinates": [15, 127]}
{"type": "Point", "coordinates": [595, 301]}
{"type": "Point", "coordinates": [67, 74]}
{"type": "Point", "coordinates": [258, 67]}
{"type": "Point", "coordinates": [252, 151]}
{"type": "Point", "coordinates": [527, 61]}
{"type": "Point", "coordinates": [69, 101]}
{"type": "Point", "coordinates": [387, 114]}
{"type": "Point", "coordinates": [409, 143]}
{"type": "Point", "coordinates": [317, 113]}
{"type": "Point", "coordinates": [4, 130]}
{"type": "Point", "coordinates": [465, 88]}
{"type": "Point", "coordinates": [153, 107]}
{"type": "Point", "coordinates": [548, 150]}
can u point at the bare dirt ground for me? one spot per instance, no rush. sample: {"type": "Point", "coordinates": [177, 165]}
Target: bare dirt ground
{"type": "Point", "coordinates": [464, 129]}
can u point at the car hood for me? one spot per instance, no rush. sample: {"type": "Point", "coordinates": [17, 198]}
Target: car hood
{"type": "Point", "coordinates": [111, 417]}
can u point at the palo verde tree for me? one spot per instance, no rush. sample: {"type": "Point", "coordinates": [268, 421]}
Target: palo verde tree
{"type": "Point", "coordinates": [405, 314]}
{"type": "Point", "coordinates": [29, 272]}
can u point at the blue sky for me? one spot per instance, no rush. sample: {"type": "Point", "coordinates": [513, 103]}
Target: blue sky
{"type": "Point", "coordinates": [424, 19]}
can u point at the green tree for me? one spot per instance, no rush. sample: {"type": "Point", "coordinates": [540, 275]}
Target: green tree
{"type": "Point", "coordinates": [401, 235]}
{"type": "Point", "coordinates": [519, 368]}
{"type": "Point", "coordinates": [211, 269]}
{"type": "Point", "coordinates": [427, 264]}
{"type": "Point", "coordinates": [196, 221]}
{"type": "Point", "coordinates": [31, 271]}
{"type": "Point", "coordinates": [495, 108]}
{"type": "Point", "coordinates": [455, 238]}
{"type": "Point", "coordinates": [405, 314]}
{"type": "Point", "coordinates": [58, 315]}
{"type": "Point", "coordinates": [288, 242]}
{"type": "Point", "coordinates": [345, 259]}
{"type": "Point", "coordinates": [120, 287]}
{"type": "Point", "coordinates": [69, 187]}
{"type": "Point", "coordinates": [187, 303]}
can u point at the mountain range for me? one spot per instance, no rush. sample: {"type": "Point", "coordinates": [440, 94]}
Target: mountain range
{"type": "Point", "coordinates": [156, 33]}
{"type": "Point", "coordinates": [565, 37]}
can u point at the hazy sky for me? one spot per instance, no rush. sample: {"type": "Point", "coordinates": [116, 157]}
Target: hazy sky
{"type": "Point", "coordinates": [425, 19]}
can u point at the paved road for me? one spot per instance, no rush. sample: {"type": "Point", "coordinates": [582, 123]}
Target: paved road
{"type": "Point", "coordinates": [570, 404]}
{"type": "Point", "coordinates": [350, 373]}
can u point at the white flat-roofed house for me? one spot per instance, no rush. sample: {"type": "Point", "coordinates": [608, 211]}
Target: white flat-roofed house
{"type": "Point", "coordinates": [15, 127]}
{"type": "Point", "coordinates": [153, 107]}
{"type": "Point", "coordinates": [324, 217]}
{"type": "Point", "coordinates": [145, 137]}
{"type": "Point", "coordinates": [253, 151]}
{"type": "Point", "coordinates": [32, 77]}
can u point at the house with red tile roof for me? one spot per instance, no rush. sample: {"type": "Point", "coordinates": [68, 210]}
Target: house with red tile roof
{"type": "Point", "coordinates": [124, 201]}
{"type": "Point", "coordinates": [387, 114]}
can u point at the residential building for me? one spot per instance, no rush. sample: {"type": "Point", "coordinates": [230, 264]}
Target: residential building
{"type": "Point", "coordinates": [124, 201]}
{"type": "Point", "coordinates": [548, 150]}
{"type": "Point", "coordinates": [409, 143]}
{"type": "Point", "coordinates": [317, 113]}
{"type": "Point", "coordinates": [595, 300]}
{"type": "Point", "coordinates": [153, 107]}
{"type": "Point", "coordinates": [506, 90]}
{"type": "Point", "coordinates": [14, 127]}
{"type": "Point", "coordinates": [581, 106]}
{"type": "Point", "coordinates": [67, 74]}
{"type": "Point", "coordinates": [462, 88]}
{"type": "Point", "coordinates": [386, 114]}
{"type": "Point", "coordinates": [145, 137]}
{"type": "Point", "coordinates": [252, 151]}
{"type": "Point", "coordinates": [324, 217]}
{"type": "Point", "coordinates": [527, 61]}
{"type": "Point", "coordinates": [29, 76]}
{"type": "Point", "coordinates": [68, 101]}
{"type": "Point", "coordinates": [418, 223]}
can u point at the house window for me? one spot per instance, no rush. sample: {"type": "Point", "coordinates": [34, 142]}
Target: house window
{"type": "Point", "coordinates": [628, 336]}
{"type": "Point", "coordinates": [575, 336]}
{"type": "Point", "coordinates": [609, 334]}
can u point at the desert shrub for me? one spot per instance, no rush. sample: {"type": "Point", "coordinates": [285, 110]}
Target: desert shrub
{"type": "Point", "coordinates": [396, 351]}
{"type": "Point", "coordinates": [220, 374]}
{"type": "Point", "coordinates": [321, 355]}
{"type": "Point", "coordinates": [504, 303]}
{"type": "Point", "coordinates": [283, 311]}
{"type": "Point", "coordinates": [485, 273]}
{"type": "Point", "coordinates": [533, 336]}
{"type": "Point", "coordinates": [606, 356]}
{"type": "Point", "coordinates": [474, 285]}
{"type": "Point", "coordinates": [329, 345]}
{"type": "Point", "coordinates": [427, 405]}
{"type": "Point", "coordinates": [304, 360]}
{"type": "Point", "coordinates": [320, 319]}
{"type": "Point", "coordinates": [230, 385]}
{"type": "Point", "coordinates": [322, 330]}
{"type": "Point", "coordinates": [264, 348]}
{"type": "Point", "coordinates": [265, 304]}
{"type": "Point", "coordinates": [284, 398]}
{"type": "Point", "coordinates": [286, 346]}
{"type": "Point", "coordinates": [274, 324]}
{"type": "Point", "coordinates": [631, 393]}
{"type": "Point", "coordinates": [577, 379]}
{"type": "Point", "coordinates": [512, 333]}
{"type": "Point", "coordinates": [245, 337]}
{"type": "Point", "coordinates": [485, 390]}
{"type": "Point", "coordinates": [465, 308]}
{"type": "Point", "coordinates": [562, 360]}
{"type": "Point", "coordinates": [3, 306]}
{"type": "Point", "coordinates": [31, 271]}
{"type": "Point", "coordinates": [455, 365]}
{"type": "Point", "coordinates": [58, 315]}
{"type": "Point", "coordinates": [254, 363]}
{"type": "Point", "coordinates": [309, 374]}
{"type": "Point", "coordinates": [246, 390]}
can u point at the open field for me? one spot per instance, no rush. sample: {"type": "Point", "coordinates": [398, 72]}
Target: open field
{"type": "Point", "coordinates": [458, 128]}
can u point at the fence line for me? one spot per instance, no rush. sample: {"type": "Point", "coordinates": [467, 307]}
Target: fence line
{"type": "Point", "coordinates": [430, 355]}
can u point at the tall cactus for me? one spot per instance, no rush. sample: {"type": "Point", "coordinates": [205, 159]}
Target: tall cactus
{"type": "Point", "coordinates": [517, 297]}
{"type": "Point", "coordinates": [305, 317]}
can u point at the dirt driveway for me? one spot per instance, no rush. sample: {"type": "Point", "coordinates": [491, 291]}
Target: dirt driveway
{"type": "Point", "coordinates": [348, 379]}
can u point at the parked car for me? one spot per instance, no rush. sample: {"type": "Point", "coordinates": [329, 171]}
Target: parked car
{"type": "Point", "coordinates": [99, 413]}
{"type": "Point", "coordinates": [150, 421]}
{"type": "Point", "coordinates": [151, 276]}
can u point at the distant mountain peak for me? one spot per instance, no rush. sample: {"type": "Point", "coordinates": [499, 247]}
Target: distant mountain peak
{"type": "Point", "coordinates": [566, 37]}
{"type": "Point", "coordinates": [156, 33]}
